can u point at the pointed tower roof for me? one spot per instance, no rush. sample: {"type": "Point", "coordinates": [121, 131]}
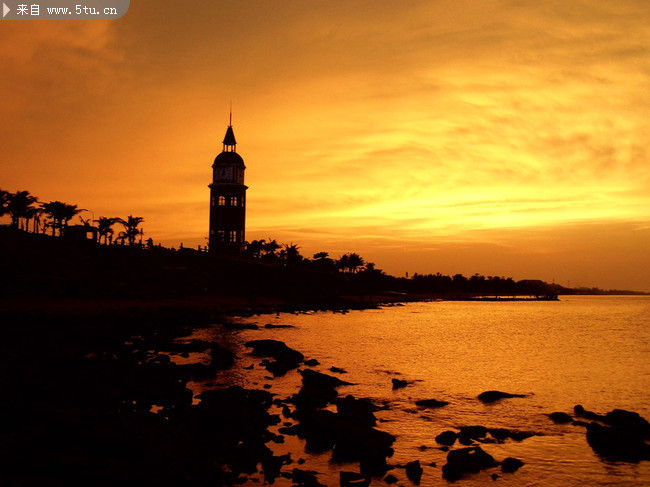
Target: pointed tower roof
{"type": "Point", "coordinates": [229, 139]}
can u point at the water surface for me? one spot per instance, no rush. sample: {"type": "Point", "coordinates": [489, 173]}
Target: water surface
{"type": "Point", "coordinates": [593, 351]}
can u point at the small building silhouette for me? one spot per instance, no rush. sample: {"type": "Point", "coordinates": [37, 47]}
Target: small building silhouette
{"type": "Point", "coordinates": [227, 197]}
{"type": "Point", "coordinates": [81, 233]}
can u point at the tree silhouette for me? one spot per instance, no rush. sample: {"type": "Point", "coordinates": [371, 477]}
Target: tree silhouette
{"type": "Point", "coordinates": [55, 210]}
{"type": "Point", "coordinates": [104, 227]}
{"type": "Point", "coordinates": [68, 213]}
{"type": "Point", "coordinates": [255, 248]}
{"type": "Point", "coordinates": [18, 206]}
{"type": "Point", "coordinates": [270, 247]}
{"type": "Point", "coordinates": [322, 261]}
{"type": "Point", "coordinates": [352, 262]}
{"type": "Point", "coordinates": [4, 201]}
{"type": "Point", "coordinates": [34, 213]}
{"type": "Point", "coordinates": [60, 213]}
{"type": "Point", "coordinates": [292, 255]}
{"type": "Point", "coordinates": [131, 230]}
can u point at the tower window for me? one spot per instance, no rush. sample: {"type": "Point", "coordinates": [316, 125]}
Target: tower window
{"type": "Point", "coordinates": [233, 201]}
{"type": "Point", "coordinates": [233, 236]}
{"type": "Point", "coordinates": [222, 201]}
{"type": "Point", "coordinates": [212, 201]}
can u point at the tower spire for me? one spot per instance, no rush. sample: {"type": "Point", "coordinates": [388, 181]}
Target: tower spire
{"type": "Point", "coordinates": [229, 141]}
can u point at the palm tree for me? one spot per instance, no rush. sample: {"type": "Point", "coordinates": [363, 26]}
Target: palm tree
{"type": "Point", "coordinates": [322, 261]}
{"type": "Point", "coordinates": [69, 212]}
{"type": "Point", "coordinates": [352, 262]}
{"type": "Point", "coordinates": [343, 262]}
{"type": "Point", "coordinates": [19, 205]}
{"type": "Point", "coordinates": [4, 201]}
{"type": "Point", "coordinates": [104, 227]}
{"type": "Point", "coordinates": [355, 261]}
{"type": "Point", "coordinates": [34, 213]}
{"type": "Point", "coordinates": [131, 230]}
{"type": "Point", "coordinates": [255, 248]}
{"type": "Point", "coordinates": [292, 254]}
{"type": "Point", "coordinates": [55, 210]}
{"type": "Point", "coordinates": [60, 214]}
{"type": "Point", "coordinates": [270, 247]}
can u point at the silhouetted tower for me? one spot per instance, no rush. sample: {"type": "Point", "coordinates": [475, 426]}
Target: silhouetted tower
{"type": "Point", "coordinates": [228, 197]}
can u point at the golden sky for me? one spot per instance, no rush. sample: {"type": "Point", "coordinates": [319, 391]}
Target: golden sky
{"type": "Point", "coordinates": [504, 137]}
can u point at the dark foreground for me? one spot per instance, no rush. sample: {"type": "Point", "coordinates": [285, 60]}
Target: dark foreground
{"type": "Point", "coordinates": [93, 398]}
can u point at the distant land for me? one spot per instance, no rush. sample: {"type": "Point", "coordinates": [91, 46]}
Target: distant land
{"type": "Point", "coordinates": [39, 266]}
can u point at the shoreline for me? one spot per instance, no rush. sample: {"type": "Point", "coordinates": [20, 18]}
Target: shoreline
{"type": "Point", "coordinates": [94, 394]}
{"type": "Point", "coordinates": [221, 305]}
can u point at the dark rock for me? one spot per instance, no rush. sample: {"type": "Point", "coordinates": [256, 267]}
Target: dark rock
{"type": "Point", "coordinates": [368, 446]}
{"type": "Point", "coordinates": [279, 368]}
{"type": "Point", "coordinates": [317, 391]}
{"type": "Point", "coordinates": [359, 411]}
{"type": "Point", "coordinates": [431, 403]}
{"type": "Point", "coordinates": [270, 325]}
{"type": "Point", "coordinates": [271, 466]}
{"type": "Point", "coordinates": [318, 427]}
{"type": "Point", "coordinates": [502, 434]}
{"type": "Point", "coordinates": [312, 362]}
{"type": "Point", "coordinates": [473, 432]}
{"type": "Point", "coordinates": [559, 417]}
{"type": "Point", "coordinates": [617, 444]}
{"type": "Point", "coordinates": [466, 460]}
{"type": "Point", "coordinates": [414, 471]}
{"type": "Point", "coordinates": [628, 421]}
{"type": "Point", "coordinates": [447, 438]}
{"type": "Point", "coordinates": [492, 396]}
{"type": "Point", "coordinates": [464, 440]}
{"type": "Point", "coordinates": [285, 358]}
{"type": "Point", "coordinates": [397, 383]}
{"type": "Point", "coordinates": [311, 378]}
{"type": "Point", "coordinates": [338, 370]}
{"type": "Point", "coordinates": [353, 479]}
{"type": "Point", "coordinates": [234, 399]}
{"type": "Point", "coordinates": [390, 479]}
{"type": "Point", "coordinates": [511, 464]}
{"type": "Point", "coordinates": [583, 413]}
{"type": "Point", "coordinates": [306, 478]}
{"type": "Point", "coordinates": [494, 476]}
{"type": "Point", "coordinates": [309, 398]}
{"type": "Point", "coordinates": [293, 430]}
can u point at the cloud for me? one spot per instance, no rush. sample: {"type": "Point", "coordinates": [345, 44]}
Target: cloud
{"type": "Point", "coordinates": [374, 121]}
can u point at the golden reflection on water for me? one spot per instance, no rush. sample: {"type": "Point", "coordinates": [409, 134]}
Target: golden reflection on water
{"type": "Point", "coordinates": [593, 351]}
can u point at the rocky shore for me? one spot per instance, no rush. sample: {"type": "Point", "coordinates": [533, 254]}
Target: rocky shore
{"type": "Point", "coordinates": [105, 398]}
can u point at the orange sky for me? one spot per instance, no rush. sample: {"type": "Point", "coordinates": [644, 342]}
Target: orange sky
{"type": "Point", "coordinates": [500, 137]}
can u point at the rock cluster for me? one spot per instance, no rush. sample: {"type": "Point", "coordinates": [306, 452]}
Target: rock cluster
{"type": "Point", "coordinates": [349, 432]}
{"type": "Point", "coordinates": [622, 437]}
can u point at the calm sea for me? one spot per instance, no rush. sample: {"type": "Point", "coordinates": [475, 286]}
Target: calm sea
{"type": "Point", "coordinates": [593, 351]}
